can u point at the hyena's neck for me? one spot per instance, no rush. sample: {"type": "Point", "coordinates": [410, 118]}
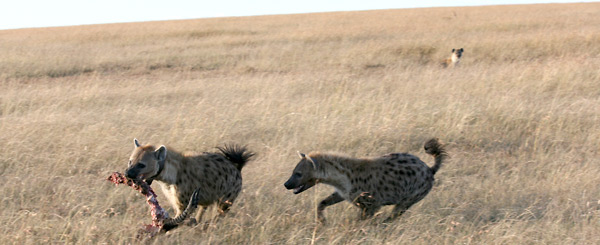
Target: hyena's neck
{"type": "Point", "coordinates": [170, 169]}
{"type": "Point", "coordinates": [455, 58]}
{"type": "Point", "coordinates": [335, 171]}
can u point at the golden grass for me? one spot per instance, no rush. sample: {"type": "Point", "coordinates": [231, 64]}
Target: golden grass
{"type": "Point", "coordinates": [520, 117]}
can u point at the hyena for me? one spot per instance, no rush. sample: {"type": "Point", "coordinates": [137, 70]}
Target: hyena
{"type": "Point", "coordinates": [216, 176]}
{"type": "Point", "coordinates": [454, 59]}
{"type": "Point", "coordinates": [398, 179]}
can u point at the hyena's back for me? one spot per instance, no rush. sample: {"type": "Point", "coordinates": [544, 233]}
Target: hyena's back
{"type": "Point", "coordinates": [217, 175]}
{"type": "Point", "coordinates": [401, 179]}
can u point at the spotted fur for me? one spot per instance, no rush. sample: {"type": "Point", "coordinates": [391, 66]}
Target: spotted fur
{"type": "Point", "coordinates": [398, 179]}
{"type": "Point", "coordinates": [217, 176]}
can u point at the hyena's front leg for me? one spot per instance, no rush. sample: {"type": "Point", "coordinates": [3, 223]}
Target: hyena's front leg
{"type": "Point", "coordinates": [200, 213]}
{"type": "Point", "coordinates": [330, 200]}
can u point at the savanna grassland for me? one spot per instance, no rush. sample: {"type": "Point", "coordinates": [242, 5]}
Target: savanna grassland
{"type": "Point", "coordinates": [520, 117]}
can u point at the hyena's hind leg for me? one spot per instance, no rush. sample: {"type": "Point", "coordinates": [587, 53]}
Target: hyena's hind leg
{"type": "Point", "coordinates": [330, 200]}
{"type": "Point", "coordinates": [223, 207]}
{"type": "Point", "coordinates": [367, 204]}
{"type": "Point", "coordinates": [398, 210]}
{"type": "Point", "coordinates": [368, 211]}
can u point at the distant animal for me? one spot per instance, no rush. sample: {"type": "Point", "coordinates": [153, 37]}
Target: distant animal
{"type": "Point", "coordinates": [454, 59]}
{"type": "Point", "coordinates": [217, 176]}
{"type": "Point", "coordinates": [398, 179]}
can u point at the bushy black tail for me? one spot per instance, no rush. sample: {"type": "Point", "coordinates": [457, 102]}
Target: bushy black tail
{"type": "Point", "coordinates": [435, 148]}
{"type": "Point", "coordinates": [238, 155]}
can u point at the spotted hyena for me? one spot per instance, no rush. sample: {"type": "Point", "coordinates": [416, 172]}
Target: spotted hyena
{"type": "Point", "coordinates": [398, 179]}
{"type": "Point", "coordinates": [454, 59]}
{"type": "Point", "coordinates": [216, 176]}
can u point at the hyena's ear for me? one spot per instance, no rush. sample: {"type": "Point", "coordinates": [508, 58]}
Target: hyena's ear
{"type": "Point", "coordinates": [452, 50]}
{"type": "Point", "coordinates": [136, 142]}
{"type": "Point", "coordinates": [161, 153]}
{"type": "Point", "coordinates": [301, 155]}
{"type": "Point", "coordinates": [313, 162]}
{"type": "Point", "coordinates": [461, 50]}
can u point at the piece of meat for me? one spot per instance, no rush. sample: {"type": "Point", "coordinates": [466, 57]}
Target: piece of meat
{"type": "Point", "coordinates": [160, 218]}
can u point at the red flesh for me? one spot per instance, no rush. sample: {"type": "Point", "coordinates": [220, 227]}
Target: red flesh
{"type": "Point", "coordinates": [157, 212]}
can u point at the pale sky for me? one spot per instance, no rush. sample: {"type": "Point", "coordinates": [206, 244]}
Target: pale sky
{"type": "Point", "coordinates": [43, 13]}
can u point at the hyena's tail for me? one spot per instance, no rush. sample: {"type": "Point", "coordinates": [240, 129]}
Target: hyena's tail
{"type": "Point", "coordinates": [435, 148]}
{"type": "Point", "coordinates": [191, 207]}
{"type": "Point", "coordinates": [238, 155]}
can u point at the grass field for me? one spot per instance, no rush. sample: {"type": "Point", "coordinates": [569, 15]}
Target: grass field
{"type": "Point", "coordinates": [520, 117]}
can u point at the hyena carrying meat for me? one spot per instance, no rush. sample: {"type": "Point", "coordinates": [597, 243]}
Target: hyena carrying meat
{"type": "Point", "coordinates": [216, 177]}
{"type": "Point", "coordinates": [398, 179]}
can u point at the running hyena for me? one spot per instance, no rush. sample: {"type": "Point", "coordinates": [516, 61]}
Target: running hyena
{"type": "Point", "coordinates": [454, 59]}
{"type": "Point", "coordinates": [216, 176]}
{"type": "Point", "coordinates": [398, 179]}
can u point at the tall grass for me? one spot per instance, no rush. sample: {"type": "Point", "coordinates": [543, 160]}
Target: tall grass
{"type": "Point", "coordinates": [520, 117]}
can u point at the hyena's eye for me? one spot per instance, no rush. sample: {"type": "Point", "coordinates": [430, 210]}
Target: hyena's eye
{"type": "Point", "coordinates": [141, 165]}
{"type": "Point", "coordinates": [298, 175]}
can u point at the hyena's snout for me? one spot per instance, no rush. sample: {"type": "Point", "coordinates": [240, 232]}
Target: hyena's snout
{"type": "Point", "coordinates": [131, 173]}
{"type": "Point", "coordinates": [298, 185]}
{"type": "Point", "coordinates": [289, 184]}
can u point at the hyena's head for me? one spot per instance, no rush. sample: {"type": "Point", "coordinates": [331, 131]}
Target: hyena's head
{"type": "Point", "coordinates": [303, 176]}
{"type": "Point", "coordinates": [145, 161]}
{"type": "Point", "coordinates": [458, 52]}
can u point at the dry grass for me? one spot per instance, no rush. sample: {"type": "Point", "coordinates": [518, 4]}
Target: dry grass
{"type": "Point", "coordinates": [520, 116]}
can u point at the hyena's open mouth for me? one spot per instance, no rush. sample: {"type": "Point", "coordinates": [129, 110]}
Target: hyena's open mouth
{"type": "Point", "coordinates": [299, 189]}
{"type": "Point", "coordinates": [302, 187]}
